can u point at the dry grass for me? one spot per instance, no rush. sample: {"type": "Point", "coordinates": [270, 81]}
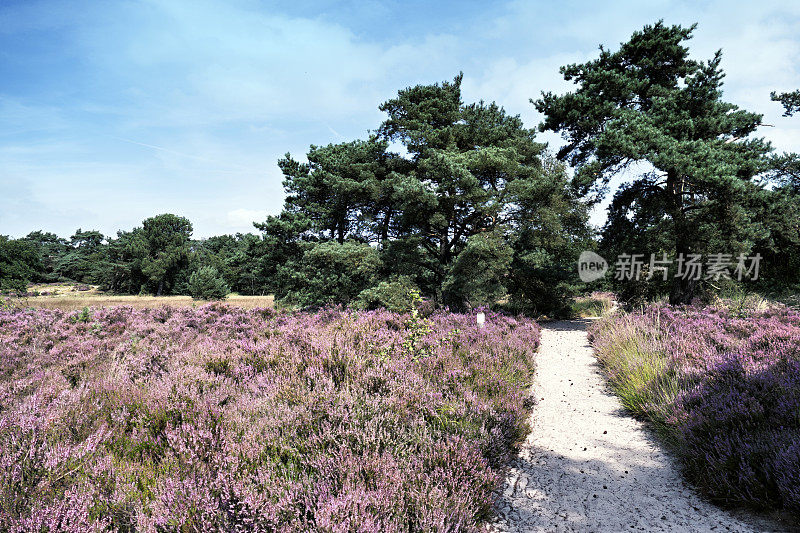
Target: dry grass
{"type": "Point", "coordinates": [597, 304]}
{"type": "Point", "coordinates": [67, 297]}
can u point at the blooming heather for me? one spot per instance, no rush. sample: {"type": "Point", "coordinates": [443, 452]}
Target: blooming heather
{"type": "Point", "coordinates": [723, 386]}
{"type": "Point", "coordinates": [218, 418]}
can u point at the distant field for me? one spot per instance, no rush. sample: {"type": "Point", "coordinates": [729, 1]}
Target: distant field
{"type": "Point", "coordinates": [68, 297]}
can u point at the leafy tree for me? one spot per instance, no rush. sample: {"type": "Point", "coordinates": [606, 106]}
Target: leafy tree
{"type": "Point", "coordinates": [50, 248]}
{"type": "Point", "coordinates": [466, 172]}
{"type": "Point", "coordinates": [19, 263]}
{"type": "Point", "coordinates": [790, 101]}
{"type": "Point", "coordinates": [207, 284]}
{"type": "Point", "coordinates": [161, 248]}
{"type": "Point", "coordinates": [330, 273]}
{"type": "Point", "coordinates": [649, 103]}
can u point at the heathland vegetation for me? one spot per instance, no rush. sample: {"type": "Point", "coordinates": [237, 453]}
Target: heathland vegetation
{"type": "Point", "coordinates": [364, 404]}
{"type": "Point", "coordinates": [460, 202]}
{"type": "Point", "coordinates": [222, 419]}
{"type": "Point", "coordinates": [722, 386]}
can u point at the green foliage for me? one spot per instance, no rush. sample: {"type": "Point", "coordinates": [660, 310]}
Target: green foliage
{"type": "Point", "coordinates": [477, 277]}
{"type": "Point", "coordinates": [396, 295]}
{"type": "Point", "coordinates": [237, 258]}
{"type": "Point", "coordinates": [19, 263]}
{"type": "Point", "coordinates": [550, 233]}
{"type": "Point", "coordinates": [50, 248]}
{"type": "Point", "coordinates": [595, 305]}
{"type": "Point", "coordinates": [83, 258]}
{"type": "Point", "coordinates": [417, 327]}
{"type": "Point", "coordinates": [165, 239]}
{"type": "Point", "coordinates": [446, 214]}
{"type": "Point", "coordinates": [207, 284]}
{"type": "Point", "coordinates": [329, 273]}
{"type": "Point", "coordinates": [789, 100]}
{"type": "Point", "coordinates": [82, 316]}
{"type": "Point", "coordinates": [650, 104]}
{"type": "Point", "coordinates": [283, 243]}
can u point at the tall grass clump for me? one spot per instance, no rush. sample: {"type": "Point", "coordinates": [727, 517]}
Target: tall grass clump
{"type": "Point", "coordinates": [225, 419]}
{"type": "Point", "coordinates": [596, 304]}
{"type": "Point", "coordinates": [722, 385]}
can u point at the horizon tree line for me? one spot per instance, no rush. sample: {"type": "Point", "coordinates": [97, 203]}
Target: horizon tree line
{"type": "Point", "coordinates": [475, 211]}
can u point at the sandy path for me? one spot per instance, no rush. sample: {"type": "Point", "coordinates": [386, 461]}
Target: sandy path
{"type": "Point", "coordinates": [587, 466]}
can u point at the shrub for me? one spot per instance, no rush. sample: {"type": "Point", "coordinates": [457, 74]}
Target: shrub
{"type": "Point", "coordinates": [723, 386]}
{"type": "Point", "coordinates": [223, 419]}
{"type": "Point", "coordinates": [396, 295]}
{"type": "Point", "coordinates": [205, 283]}
{"type": "Point", "coordinates": [477, 276]}
{"type": "Point", "coordinates": [330, 273]}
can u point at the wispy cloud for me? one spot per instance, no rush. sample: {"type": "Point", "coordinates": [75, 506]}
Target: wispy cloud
{"type": "Point", "coordinates": [186, 106]}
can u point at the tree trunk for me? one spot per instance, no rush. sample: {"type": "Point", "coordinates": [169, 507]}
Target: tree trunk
{"type": "Point", "coordinates": [385, 228]}
{"type": "Point", "coordinates": [160, 288]}
{"type": "Point", "coordinates": [683, 290]}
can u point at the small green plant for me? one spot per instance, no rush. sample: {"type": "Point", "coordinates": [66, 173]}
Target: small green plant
{"type": "Point", "coordinates": [207, 284]}
{"type": "Point", "coordinates": [220, 367]}
{"type": "Point", "coordinates": [417, 328]}
{"type": "Point", "coordinates": [84, 315]}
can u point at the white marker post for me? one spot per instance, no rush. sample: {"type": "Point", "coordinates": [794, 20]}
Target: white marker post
{"type": "Point", "coordinates": [480, 318]}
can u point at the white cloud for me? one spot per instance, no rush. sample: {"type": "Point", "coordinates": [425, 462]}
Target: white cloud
{"type": "Point", "coordinates": [207, 95]}
{"type": "Point", "coordinates": [242, 219]}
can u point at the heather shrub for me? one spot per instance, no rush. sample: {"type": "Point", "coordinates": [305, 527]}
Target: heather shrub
{"type": "Point", "coordinates": [722, 385]}
{"type": "Point", "coordinates": [206, 283]}
{"type": "Point", "coordinates": [740, 430]}
{"type": "Point", "coordinates": [224, 419]}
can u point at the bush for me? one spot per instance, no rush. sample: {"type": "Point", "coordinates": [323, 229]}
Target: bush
{"type": "Point", "coordinates": [329, 273]}
{"type": "Point", "coordinates": [395, 295]}
{"type": "Point", "coordinates": [478, 274]}
{"type": "Point", "coordinates": [207, 284]}
{"type": "Point", "coordinates": [723, 386]}
{"type": "Point", "coordinates": [741, 434]}
{"type": "Point", "coordinates": [224, 419]}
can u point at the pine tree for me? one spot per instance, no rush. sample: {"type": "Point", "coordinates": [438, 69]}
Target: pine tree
{"type": "Point", "coordinates": [649, 102]}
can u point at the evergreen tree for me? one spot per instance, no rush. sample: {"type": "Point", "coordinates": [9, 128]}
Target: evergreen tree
{"type": "Point", "coordinates": [158, 251]}
{"type": "Point", "coordinates": [790, 102]}
{"type": "Point", "coordinates": [470, 179]}
{"type": "Point", "coordinates": [50, 248]}
{"type": "Point", "coordinates": [648, 102]}
{"type": "Point", "coordinates": [19, 263]}
{"type": "Point", "coordinates": [84, 257]}
{"type": "Point", "coordinates": [206, 283]}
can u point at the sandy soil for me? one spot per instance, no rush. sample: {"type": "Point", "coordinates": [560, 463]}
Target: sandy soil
{"type": "Point", "coordinates": [588, 466]}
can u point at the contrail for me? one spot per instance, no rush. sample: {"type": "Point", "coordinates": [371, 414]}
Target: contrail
{"type": "Point", "coordinates": [162, 149]}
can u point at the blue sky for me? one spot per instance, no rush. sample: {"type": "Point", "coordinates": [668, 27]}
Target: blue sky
{"type": "Point", "coordinates": [113, 111]}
